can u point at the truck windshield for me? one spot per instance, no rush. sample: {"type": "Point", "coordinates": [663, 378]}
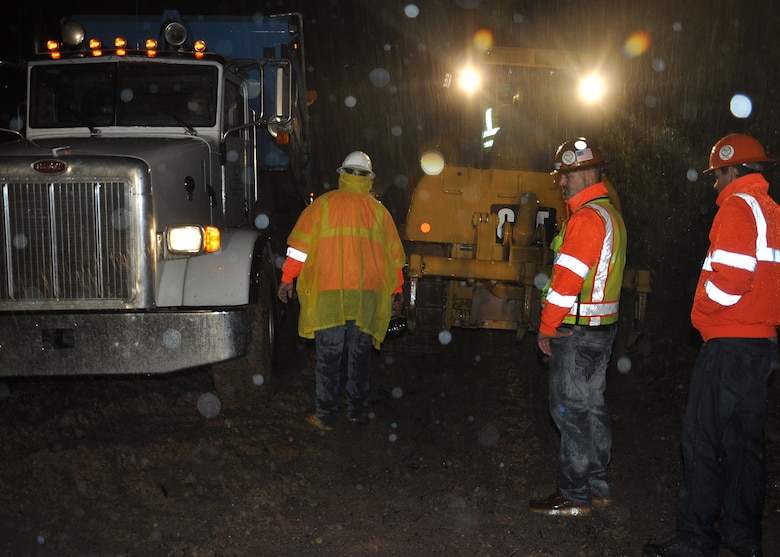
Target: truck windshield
{"type": "Point", "coordinates": [97, 95]}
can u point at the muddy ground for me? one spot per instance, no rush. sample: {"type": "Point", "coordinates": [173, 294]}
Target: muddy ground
{"type": "Point", "coordinates": [460, 440]}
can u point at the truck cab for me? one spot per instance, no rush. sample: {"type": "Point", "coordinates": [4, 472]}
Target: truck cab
{"type": "Point", "coordinates": [139, 210]}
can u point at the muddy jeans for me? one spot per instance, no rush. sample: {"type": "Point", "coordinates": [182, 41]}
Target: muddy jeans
{"type": "Point", "coordinates": [723, 445]}
{"type": "Point", "coordinates": [343, 360]}
{"type": "Point", "coordinates": [578, 368]}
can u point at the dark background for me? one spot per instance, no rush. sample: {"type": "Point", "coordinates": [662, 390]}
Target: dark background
{"type": "Point", "coordinates": [670, 103]}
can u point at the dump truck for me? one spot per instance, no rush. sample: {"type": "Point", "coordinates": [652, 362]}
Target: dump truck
{"type": "Point", "coordinates": [481, 218]}
{"type": "Point", "coordinates": [146, 198]}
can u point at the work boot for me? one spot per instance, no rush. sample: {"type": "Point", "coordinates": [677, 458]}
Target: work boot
{"type": "Point", "coordinates": [558, 505]}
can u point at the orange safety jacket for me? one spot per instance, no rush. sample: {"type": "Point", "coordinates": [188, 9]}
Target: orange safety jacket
{"type": "Point", "coordinates": [590, 255]}
{"type": "Point", "coordinates": [350, 257]}
{"type": "Point", "coordinates": [738, 293]}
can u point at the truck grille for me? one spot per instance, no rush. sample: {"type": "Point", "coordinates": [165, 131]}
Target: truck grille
{"type": "Point", "coordinates": [63, 241]}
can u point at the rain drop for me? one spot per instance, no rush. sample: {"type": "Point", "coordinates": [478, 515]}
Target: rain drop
{"type": "Point", "coordinates": [253, 88]}
{"type": "Point", "coordinates": [209, 405]}
{"type": "Point", "coordinates": [171, 338]}
{"type": "Point", "coordinates": [488, 436]}
{"type": "Point", "coordinates": [397, 131]}
{"type": "Point", "coordinates": [232, 155]}
{"type": "Point", "coordinates": [445, 337]}
{"type": "Point", "coordinates": [392, 437]}
{"type": "Point", "coordinates": [262, 221]}
{"type": "Point", "coordinates": [659, 65]}
{"type": "Point", "coordinates": [540, 280]}
{"type": "Point", "coordinates": [126, 95]}
{"type": "Point", "coordinates": [279, 261]}
{"type": "Point", "coordinates": [20, 241]}
{"type": "Point", "coordinates": [741, 106]}
{"type": "Point", "coordinates": [350, 101]}
{"type": "Point", "coordinates": [379, 77]}
{"type": "Point", "coordinates": [692, 175]}
{"type": "Point", "coordinates": [397, 392]}
{"type": "Point", "coordinates": [411, 11]}
{"type": "Point", "coordinates": [258, 379]}
{"type": "Point", "coordinates": [624, 364]}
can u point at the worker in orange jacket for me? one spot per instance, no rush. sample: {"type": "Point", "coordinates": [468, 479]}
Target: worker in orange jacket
{"type": "Point", "coordinates": [348, 259]}
{"type": "Point", "coordinates": [578, 326]}
{"type": "Point", "coordinates": [736, 308]}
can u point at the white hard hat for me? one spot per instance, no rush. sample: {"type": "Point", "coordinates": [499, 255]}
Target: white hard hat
{"type": "Point", "coordinates": [357, 162]}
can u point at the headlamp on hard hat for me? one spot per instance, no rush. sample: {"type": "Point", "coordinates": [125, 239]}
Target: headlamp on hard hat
{"type": "Point", "coordinates": [576, 155]}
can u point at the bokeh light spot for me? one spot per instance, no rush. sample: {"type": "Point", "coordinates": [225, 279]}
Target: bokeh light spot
{"type": "Point", "coordinates": [411, 11]}
{"type": "Point", "coordinates": [432, 163]}
{"type": "Point", "coordinates": [379, 77]}
{"type": "Point", "coordinates": [350, 101]}
{"type": "Point", "coordinates": [483, 40]}
{"type": "Point", "coordinates": [741, 106]}
{"type": "Point", "coordinates": [636, 44]}
{"type": "Point", "coordinates": [692, 175]}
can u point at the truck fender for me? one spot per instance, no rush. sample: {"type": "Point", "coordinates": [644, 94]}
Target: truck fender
{"type": "Point", "coordinates": [222, 278]}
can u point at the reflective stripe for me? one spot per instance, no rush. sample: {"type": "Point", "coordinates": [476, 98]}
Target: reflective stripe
{"type": "Point", "coordinates": [559, 300]}
{"type": "Point", "coordinates": [737, 260]}
{"type": "Point", "coordinates": [296, 254]}
{"type": "Point", "coordinates": [573, 264]}
{"type": "Point", "coordinates": [602, 266]}
{"type": "Point", "coordinates": [719, 296]}
{"type": "Point", "coordinates": [763, 251]}
{"type": "Point", "coordinates": [596, 310]}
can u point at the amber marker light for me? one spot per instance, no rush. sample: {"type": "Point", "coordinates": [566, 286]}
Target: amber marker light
{"type": "Point", "coordinates": [94, 44]}
{"type": "Point", "coordinates": [52, 45]}
{"type": "Point", "coordinates": [120, 42]}
{"type": "Point", "coordinates": [211, 239]}
{"type": "Point", "coordinates": [425, 227]}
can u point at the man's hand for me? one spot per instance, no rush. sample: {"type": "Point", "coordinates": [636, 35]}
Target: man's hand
{"type": "Point", "coordinates": [285, 291]}
{"type": "Point", "coordinates": [398, 304]}
{"type": "Point", "coordinates": [544, 340]}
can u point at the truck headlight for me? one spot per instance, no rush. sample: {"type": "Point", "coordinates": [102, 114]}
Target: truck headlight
{"type": "Point", "coordinates": [192, 239]}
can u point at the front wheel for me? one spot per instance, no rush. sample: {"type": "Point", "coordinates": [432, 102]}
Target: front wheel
{"type": "Point", "coordinates": [248, 382]}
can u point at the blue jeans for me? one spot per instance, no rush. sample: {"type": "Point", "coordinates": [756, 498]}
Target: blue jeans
{"type": "Point", "coordinates": [343, 359]}
{"type": "Point", "coordinates": [578, 367]}
{"type": "Point", "coordinates": [723, 445]}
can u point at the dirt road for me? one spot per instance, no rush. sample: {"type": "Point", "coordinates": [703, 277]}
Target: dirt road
{"type": "Point", "coordinates": [458, 443]}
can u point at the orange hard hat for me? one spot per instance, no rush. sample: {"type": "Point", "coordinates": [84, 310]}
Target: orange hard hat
{"type": "Point", "coordinates": [736, 149]}
{"type": "Point", "coordinates": [578, 154]}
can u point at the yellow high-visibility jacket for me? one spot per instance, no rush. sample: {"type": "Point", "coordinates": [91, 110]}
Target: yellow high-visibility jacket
{"type": "Point", "coordinates": [351, 253]}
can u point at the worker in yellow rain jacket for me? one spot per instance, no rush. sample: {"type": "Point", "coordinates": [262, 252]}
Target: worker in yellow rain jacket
{"type": "Point", "coordinates": [348, 258]}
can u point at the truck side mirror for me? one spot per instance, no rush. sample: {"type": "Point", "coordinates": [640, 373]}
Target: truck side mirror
{"type": "Point", "coordinates": [277, 91]}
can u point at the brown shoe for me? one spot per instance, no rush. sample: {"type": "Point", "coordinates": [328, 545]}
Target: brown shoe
{"type": "Point", "coordinates": [601, 502]}
{"type": "Point", "coordinates": [311, 418]}
{"type": "Point", "coordinates": [557, 505]}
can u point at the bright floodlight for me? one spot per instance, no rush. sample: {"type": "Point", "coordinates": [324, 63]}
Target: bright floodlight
{"type": "Point", "coordinates": [592, 88]}
{"type": "Point", "coordinates": [469, 80]}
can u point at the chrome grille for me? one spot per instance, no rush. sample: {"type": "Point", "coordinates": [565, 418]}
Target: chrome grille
{"type": "Point", "coordinates": [65, 241]}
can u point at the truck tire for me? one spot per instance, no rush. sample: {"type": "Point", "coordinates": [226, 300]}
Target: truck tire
{"type": "Point", "coordinates": [248, 382]}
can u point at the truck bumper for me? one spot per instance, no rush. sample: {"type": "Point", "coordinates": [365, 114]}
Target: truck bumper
{"type": "Point", "coordinates": [115, 343]}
